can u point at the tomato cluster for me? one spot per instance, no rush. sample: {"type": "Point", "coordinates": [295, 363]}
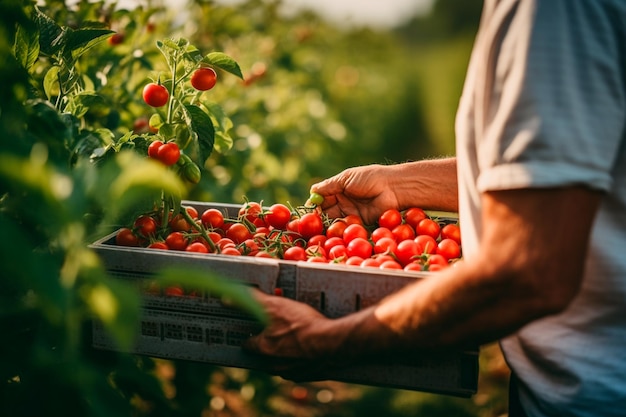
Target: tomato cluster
{"type": "Point", "coordinates": [408, 240]}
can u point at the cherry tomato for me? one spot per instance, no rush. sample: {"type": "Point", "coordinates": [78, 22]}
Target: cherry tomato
{"type": "Point", "coordinates": [178, 223]}
{"type": "Point", "coordinates": [176, 241]}
{"type": "Point", "coordinates": [317, 240]}
{"type": "Point", "coordinates": [238, 233]}
{"type": "Point", "coordinates": [385, 245]}
{"type": "Point", "coordinates": [370, 263]}
{"type": "Point", "coordinates": [389, 264]}
{"type": "Point", "coordinates": [230, 250]}
{"type": "Point", "coordinates": [414, 267]}
{"type": "Point", "coordinates": [197, 247]}
{"type": "Point", "coordinates": [212, 218]}
{"type": "Point", "coordinates": [145, 226]}
{"type": "Point", "coordinates": [360, 247]}
{"type": "Point", "coordinates": [353, 231]}
{"type": "Point", "coordinates": [353, 219]}
{"type": "Point", "coordinates": [116, 39]}
{"type": "Point", "coordinates": [159, 245]}
{"type": "Point", "coordinates": [168, 153]}
{"type": "Point", "coordinates": [295, 253]}
{"type": "Point", "coordinates": [249, 247]}
{"type": "Point", "coordinates": [174, 291]}
{"type": "Point", "coordinates": [449, 249]}
{"type": "Point", "coordinates": [333, 241]}
{"type": "Point", "coordinates": [354, 261]}
{"type": "Point", "coordinates": [126, 237]}
{"type": "Point", "coordinates": [403, 232]}
{"type": "Point", "coordinates": [250, 211]}
{"type": "Point", "coordinates": [153, 149]}
{"type": "Point", "coordinates": [155, 95]}
{"type": "Point", "coordinates": [337, 253]}
{"type": "Point", "coordinates": [336, 229]}
{"type": "Point", "coordinates": [407, 251]}
{"type": "Point", "coordinates": [451, 231]}
{"type": "Point", "coordinates": [413, 216]}
{"type": "Point", "coordinates": [390, 218]}
{"type": "Point", "coordinates": [203, 79]}
{"type": "Point", "coordinates": [316, 199]}
{"type": "Point", "coordinates": [436, 262]}
{"type": "Point", "coordinates": [426, 244]}
{"type": "Point", "coordinates": [278, 216]}
{"type": "Point", "coordinates": [316, 250]}
{"type": "Point", "coordinates": [192, 211]}
{"type": "Point", "coordinates": [311, 224]}
{"type": "Point", "coordinates": [381, 232]}
{"type": "Point", "coordinates": [428, 227]}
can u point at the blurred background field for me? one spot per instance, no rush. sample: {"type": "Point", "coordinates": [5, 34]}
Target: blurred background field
{"type": "Point", "coordinates": [321, 93]}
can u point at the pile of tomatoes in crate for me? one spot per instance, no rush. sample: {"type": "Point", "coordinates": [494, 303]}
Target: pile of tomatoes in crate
{"type": "Point", "coordinates": [409, 240]}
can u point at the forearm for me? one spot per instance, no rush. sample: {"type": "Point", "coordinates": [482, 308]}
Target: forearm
{"type": "Point", "coordinates": [516, 276]}
{"type": "Point", "coordinates": [429, 184]}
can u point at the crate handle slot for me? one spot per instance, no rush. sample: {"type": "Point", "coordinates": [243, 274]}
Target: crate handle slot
{"type": "Point", "coordinates": [357, 302]}
{"type": "Point", "coordinates": [322, 301]}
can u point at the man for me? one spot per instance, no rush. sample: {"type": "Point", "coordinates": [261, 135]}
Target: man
{"type": "Point", "coordinates": [539, 181]}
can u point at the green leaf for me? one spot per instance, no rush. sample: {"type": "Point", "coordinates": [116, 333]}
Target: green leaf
{"type": "Point", "coordinates": [26, 47]}
{"type": "Point", "coordinates": [80, 41]}
{"type": "Point", "coordinates": [201, 124]}
{"type": "Point", "coordinates": [224, 62]}
{"type": "Point", "coordinates": [51, 35]}
{"type": "Point", "coordinates": [80, 103]}
{"type": "Point", "coordinates": [51, 82]}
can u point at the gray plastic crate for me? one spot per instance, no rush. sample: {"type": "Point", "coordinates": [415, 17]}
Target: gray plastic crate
{"type": "Point", "coordinates": [200, 328]}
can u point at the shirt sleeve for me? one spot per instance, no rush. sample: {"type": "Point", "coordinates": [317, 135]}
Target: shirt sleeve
{"type": "Point", "coordinates": [553, 110]}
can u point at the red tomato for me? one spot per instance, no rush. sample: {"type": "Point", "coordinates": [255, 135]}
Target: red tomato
{"type": "Point", "coordinates": [176, 241]}
{"type": "Point", "coordinates": [352, 219]}
{"type": "Point", "coordinates": [354, 261]}
{"type": "Point", "coordinates": [390, 219]}
{"type": "Point", "coordinates": [390, 265]}
{"type": "Point", "coordinates": [116, 39]}
{"type": "Point", "coordinates": [178, 223]}
{"type": "Point", "coordinates": [145, 226]}
{"type": "Point", "coordinates": [370, 263]}
{"type": "Point", "coordinates": [168, 153]}
{"type": "Point", "coordinates": [250, 210]}
{"type": "Point", "coordinates": [278, 216]}
{"type": "Point", "coordinates": [353, 231]}
{"type": "Point", "coordinates": [331, 242]}
{"type": "Point", "coordinates": [203, 79]}
{"type": "Point", "coordinates": [451, 231]}
{"type": "Point", "coordinates": [159, 245]}
{"type": "Point", "coordinates": [385, 245]}
{"type": "Point", "coordinates": [153, 149]}
{"type": "Point", "coordinates": [191, 210]}
{"type": "Point", "coordinates": [381, 232]}
{"type": "Point", "coordinates": [403, 232]}
{"type": "Point", "coordinates": [436, 262]}
{"type": "Point", "coordinates": [428, 227]}
{"type": "Point", "coordinates": [426, 244]}
{"type": "Point", "coordinates": [317, 259]}
{"type": "Point", "coordinates": [311, 224]}
{"type": "Point", "coordinates": [224, 243]}
{"type": "Point", "coordinates": [238, 232]}
{"type": "Point", "coordinates": [212, 218]}
{"type": "Point", "coordinates": [315, 250]}
{"type": "Point", "coordinates": [360, 247]}
{"type": "Point", "coordinates": [295, 253]}
{"type": "Point", "coordinates": [449, 249]}
{"type": "Point", "coordinates": [414, 267]}
{"type": "Point", "coordinates": [197, 247]}
{"type": "Point", "coordinates": [407, 251]}
{"type": "Point", "coordinates": [126, 237]}
{"type": "Point", "coordinates": [336, 229]}
{"type": "Point", "coordinates": [174, 291]}
{"type": "Point", "coordinates": [155, 95]}
{"type": "Point", "coordinates": [317, 240]}
{"type": "Point", "coordinates": [413, 216]}
{"type": "Point", "coordinates": [249, 247]}
{"type": "Point", "coordinates": [230, 250]}
{"type": "Point", "coordinates": [337, 252]}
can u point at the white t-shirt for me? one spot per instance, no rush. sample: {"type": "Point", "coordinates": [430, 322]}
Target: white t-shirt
{"type": "Point", "coordinates": [544, 105]}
